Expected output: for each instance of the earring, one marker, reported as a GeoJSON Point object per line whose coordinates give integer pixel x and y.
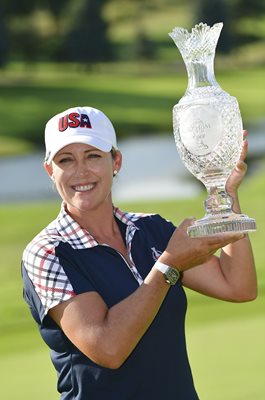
{"type": "Point", "coordinates": [115, 172]}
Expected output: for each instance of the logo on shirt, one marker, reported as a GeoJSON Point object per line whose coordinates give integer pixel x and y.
{"type": "Point", "coordinates": [74, 120]}
{"type": "Point", "coordinates": [156, 253]}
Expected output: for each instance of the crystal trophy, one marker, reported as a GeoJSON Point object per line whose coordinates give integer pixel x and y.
{"type": "Point", "coordinates": [208, 131]}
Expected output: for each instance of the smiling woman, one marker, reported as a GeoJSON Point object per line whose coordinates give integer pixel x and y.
{"type": "Point", "coordinates": [106, 287]}
{"type": "Point", "coordinates": [83, 177]}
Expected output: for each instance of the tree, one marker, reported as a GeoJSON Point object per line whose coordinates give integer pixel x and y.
{"type": "Point", "coordinates": [253, 8]}
{"type": "Point", "coordinates": [22, 39]}
{"type": "Point", "coordinates": [231, 13]}
{"type": "Point", "coordinates": [214, 11]}
{"type": "Point", "coordinates": [3, 40]}
{"type": "Point", "coordinates": [87, 39]}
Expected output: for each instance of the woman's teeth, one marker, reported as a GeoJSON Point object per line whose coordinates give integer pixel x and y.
{"type": "Point", "coordinates": [83, 188]}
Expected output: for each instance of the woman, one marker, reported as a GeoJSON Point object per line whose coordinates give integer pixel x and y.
{"type": "Point", "coordinates": [106, 287]}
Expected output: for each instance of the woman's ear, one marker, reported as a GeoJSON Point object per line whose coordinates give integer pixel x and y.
{"type": "Point", "coordinates": [117, 163]}
{"type": "Point", "coordinates": [49, 170]}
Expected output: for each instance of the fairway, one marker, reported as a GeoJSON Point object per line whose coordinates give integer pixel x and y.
{"type": "Point", "coordinates": [227, 359]}
{"type": "Point", "coordinates": [138, 99]}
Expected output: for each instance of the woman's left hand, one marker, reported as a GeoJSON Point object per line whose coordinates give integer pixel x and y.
{"type": "Point", "coordinates": [240, 169]}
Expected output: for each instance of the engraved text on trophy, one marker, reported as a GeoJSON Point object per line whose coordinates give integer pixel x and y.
{"type": "Point", "coordinates": [200, 129]}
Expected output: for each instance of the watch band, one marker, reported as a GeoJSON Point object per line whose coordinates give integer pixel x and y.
{"type": "Point", "coordinates": [171, 275]}
{"type": "Point", "coordinates": [161, 266]}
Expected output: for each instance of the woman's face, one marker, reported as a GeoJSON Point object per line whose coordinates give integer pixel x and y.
{"type": "Point", "coordinates": [83, 176]}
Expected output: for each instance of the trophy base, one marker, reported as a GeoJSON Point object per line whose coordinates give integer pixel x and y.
{"type": "Point", "coordinates": [229, 222]}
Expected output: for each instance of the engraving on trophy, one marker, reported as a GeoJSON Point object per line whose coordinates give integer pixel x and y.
{"type": "Point", "coordinates": [200, 129]}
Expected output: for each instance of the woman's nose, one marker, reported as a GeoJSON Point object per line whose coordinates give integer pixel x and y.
{"type": "Point", "coordinates": [82, 168]}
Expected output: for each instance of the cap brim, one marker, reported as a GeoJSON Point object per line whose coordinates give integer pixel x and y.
{"type": "Point", "coordinates": [91, 140]}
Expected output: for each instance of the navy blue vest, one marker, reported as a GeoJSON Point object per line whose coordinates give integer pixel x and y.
{"type": "Point", "coordinates": [158, 368]}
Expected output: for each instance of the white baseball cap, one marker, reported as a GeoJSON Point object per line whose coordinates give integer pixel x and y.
{"type": "Point", "coordinates": [79, 125]}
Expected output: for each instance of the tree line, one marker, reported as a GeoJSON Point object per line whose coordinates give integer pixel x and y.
{"type": "Point", "coordinates": [77, 31]}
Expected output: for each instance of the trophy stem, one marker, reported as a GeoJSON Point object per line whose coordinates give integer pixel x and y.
{"type": "Point", "coordinates": [218, 201]}
{"type": "Point", "coordinates": [220, 217]}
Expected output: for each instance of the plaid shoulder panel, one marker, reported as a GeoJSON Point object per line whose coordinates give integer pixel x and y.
{"type": "Point", "coordinates": [48, 277]}
{"type": "Point", "coordinates": [128, 217]}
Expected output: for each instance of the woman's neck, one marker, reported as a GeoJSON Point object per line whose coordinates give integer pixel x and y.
{"type": "Point", "coordinates": [99, 223]}
{"type": "Point", "coordinates": [104, 229]}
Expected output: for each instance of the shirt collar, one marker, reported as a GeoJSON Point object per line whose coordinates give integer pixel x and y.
{"type": "Point", "coordinates": [78, 237]}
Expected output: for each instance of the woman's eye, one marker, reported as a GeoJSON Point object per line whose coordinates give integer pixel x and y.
{"type": "Point", "coordinates": [65, 160]}
{"type": "Point", "coordinates": [94, 155]}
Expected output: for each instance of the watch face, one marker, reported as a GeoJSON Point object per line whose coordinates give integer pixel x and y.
{"type": "Point", "coordinates": [172, 275]}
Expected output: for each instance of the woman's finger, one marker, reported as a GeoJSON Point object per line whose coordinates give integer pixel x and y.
{"type": "Point", "coordinates": [245, 133]}
{"type": "Point", "coordinates": [244, 150]}
{"type": "Point", "coordinates": [186, 223]}
{"type": "Point", "coordinates": [221, 240]}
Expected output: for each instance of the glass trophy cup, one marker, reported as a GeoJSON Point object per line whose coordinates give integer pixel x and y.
{"type": "Point", "coordinates": [208, 131]}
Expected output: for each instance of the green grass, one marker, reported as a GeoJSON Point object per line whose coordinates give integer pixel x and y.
{"type": "Point", "coordinates": [225, 340]}
{"type": "Point", "coordinates": [228, 358]}
{"type": "Point", "coordinates": [137, 97]}
{"type": "Point", "coordinates": [14, 146]}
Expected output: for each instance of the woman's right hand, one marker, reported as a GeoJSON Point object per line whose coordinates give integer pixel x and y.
{"type": "Point", "coordinates": [184, 252]}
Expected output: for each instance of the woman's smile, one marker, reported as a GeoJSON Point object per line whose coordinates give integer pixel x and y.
{"type": "Point", "coordinates": [84, 188]}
